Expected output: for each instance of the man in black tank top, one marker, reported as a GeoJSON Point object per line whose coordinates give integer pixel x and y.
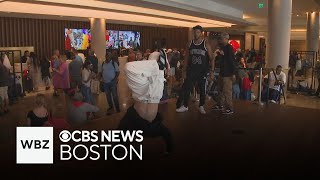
{"type": "Point", "coordinates": [198, 59]}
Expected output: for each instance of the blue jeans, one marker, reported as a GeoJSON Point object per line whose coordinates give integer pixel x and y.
{"type": "Point", "coordinates": [235, 91]}
{"type": "Point", "coordinates": [111, 90]}
{"type": "Point", "coordinates": [247, 95]}
{"type": "Point", "coordinates": [86, 93]}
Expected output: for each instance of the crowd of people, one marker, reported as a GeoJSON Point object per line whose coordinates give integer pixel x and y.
{"type": "Point", "coordinates": [147, 74]}
{"type": "Point", "coordinates": [73, 72]}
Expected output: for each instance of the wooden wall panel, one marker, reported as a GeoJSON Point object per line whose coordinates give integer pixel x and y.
{"type": "Point", "coordinates": [47, 35]}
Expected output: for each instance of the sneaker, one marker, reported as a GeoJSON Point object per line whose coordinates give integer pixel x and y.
{"type": "Point", "coordinates": [201, 109]}
{"type": "Point", "coordinates": [218, 108]}
{"type": "Point", "coordinates": [227, 112]}
{"type": "Point", "coordinates": [182, 109]}
{"type": "Point", "coordinates": [273, 101]}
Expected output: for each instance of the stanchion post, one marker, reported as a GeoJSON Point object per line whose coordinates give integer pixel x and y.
{"type": "Point", "coordinates": [268, 91]}
{"type": "Point", "coordinates": [260, 85]}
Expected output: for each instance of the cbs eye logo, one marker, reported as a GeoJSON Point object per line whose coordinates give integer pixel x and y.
{"type": "Point", "coordinates": [65, 136]}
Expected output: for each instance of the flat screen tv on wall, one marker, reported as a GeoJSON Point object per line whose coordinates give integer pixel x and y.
{"type": "Point", "coordinates": [77, 38]}
{"type": "Point", "coordinates": [112, 39]}
{"type": "Point", "coordinates": [129, 39]}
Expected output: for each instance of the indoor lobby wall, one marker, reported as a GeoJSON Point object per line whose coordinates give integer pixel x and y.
{"type": "Point", "coordinates": [248, 41]}
{"type": "Point", "coordinates": [46, 35]}
{"type": "Point", "coordinates": [298, 45]}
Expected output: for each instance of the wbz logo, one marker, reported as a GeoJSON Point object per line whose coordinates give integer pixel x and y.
{"type": "Point", "coordinates": [34, 145]}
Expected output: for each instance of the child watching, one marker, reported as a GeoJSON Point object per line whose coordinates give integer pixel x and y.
{"type": "Point", "coordinates": [246, 87]}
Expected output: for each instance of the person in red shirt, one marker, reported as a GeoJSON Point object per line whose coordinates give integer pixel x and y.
{"type": "Point", "coordinates": [246, 87]}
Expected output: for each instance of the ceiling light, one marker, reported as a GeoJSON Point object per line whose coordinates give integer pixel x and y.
{"type": "Point", "coordinates": [135, 9]}
{"type": "Point", "coordinates": [42, 9]}
{"type": "Point", "coordinates": [298, 30]}
{"type": "Point", "coordinates": [298, 15]}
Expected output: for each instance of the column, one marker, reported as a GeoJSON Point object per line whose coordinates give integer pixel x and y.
{"type": "Point", "coordinates": [312, 43]}
{"type": "Point", "coordinates": [279, 26]}
{"type": "Point", "coordinates": [98, 37]}
{"type": "Point", "coordinates": [312, 31]}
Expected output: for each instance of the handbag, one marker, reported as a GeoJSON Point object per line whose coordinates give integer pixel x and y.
{"type": "Point", "coordinates": [95, 86]}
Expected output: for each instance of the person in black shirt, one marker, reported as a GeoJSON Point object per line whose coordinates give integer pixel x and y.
{"type": "Point", "coordinates": [239, 55]}
{"type": "Point", "coordinates": [198, 58]}
{"type": "Point", "coordinates": [39, 115]}
{"type": "Point", "coordinates": [93, 60]}
{"type": "Point", "coordinates": [25, 57]}
{"type": "Point", "coordinates": [227, 76]}
{"type": "Point", "coordinates": [45, 72]}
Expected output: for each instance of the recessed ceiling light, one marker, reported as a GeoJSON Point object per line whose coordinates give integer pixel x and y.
{"type": "Point", "coordinates": [298, 15]}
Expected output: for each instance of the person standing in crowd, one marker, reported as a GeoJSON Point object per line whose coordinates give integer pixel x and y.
{"type": "Point", "coordinates": [131, 55]}
{"type": "Point", "coordinates": [79, 111]}
{"type": "Point", "coordinates": [25, 57]}
{"type": "Point", "coordinates": [252, 58]}
{"type": "Point", "coordinates": [147, 54]}
{"type": "Point", "coordinates": [115, 57]}
{"type": "Point", "coordinates": [239, 55]}
{"type": "Point", "coordinates": [276, 83]}
{"type": "Point", "coordinates": [75, 68]}
{"type": "Point", "coordinates": [40, 114]}
{"type": "Point", "coordinates": [139, 56]}
{"type": "Point", "coordinates": [83, 57]}
{"type": "Point", "coordinates": [110, 73]}
{"type": "Point", "coordinates": [163, 63]}
{"type": "Point", "coordinates": [34, 69]}
{"type": "Point", "coordinates": [93, 60]}
{"type": "Point", "coordinates": [55, 64]}
{"type": "Point", "coordinates": [293, 58]}
{"type": "Point", "coordinates": [196, 64]}
{"type": "Point", "coordinates": [246, 87]}
{"type": "Point", "coordinates": [77, 56]}
{"type": "Point", "coordinates": [227, 76]}
{"type": "Point", "coordinates": [61, 77]}
{"type": "Point", "coordinates": [241, 73]}
{"type": "Point", "coordinates": [154, 55]}
{"type": "Point", "coordinates": [236, 89]}
{"type": "Point", "coordinates": [4, 77]}
{"type": "Point", "coordinates": [174, 63]}
{"type": "Point", "coordinates": [143, 114]}
{"type": "Point", "coordinates": [87, 76]}
{"type": "Point", "coordinates": [45, 72]}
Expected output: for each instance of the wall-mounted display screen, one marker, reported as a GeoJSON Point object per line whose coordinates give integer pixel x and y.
{"type": "Point", "coordinates": [129, 39]}
{"type": "Point", "coordinates": [112, 39]}
{"type": "Point", "coordinates": [80, 39]}
{"type": "Point", "coordinates": [77, 38]}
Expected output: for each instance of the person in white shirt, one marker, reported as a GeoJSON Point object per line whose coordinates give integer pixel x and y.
{"type": "Point", "coordinates": [87, 76]}
{"type": "Point", "coordinates": [82, 57]}
{"type": "Point", "coordinates": [276, 82]}
{"type": "Point", "coordinates": [6, 62]}
{"type": "Point", "coordinates": [146, 81]}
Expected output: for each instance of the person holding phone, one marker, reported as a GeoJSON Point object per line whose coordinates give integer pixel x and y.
{"type": "Point", "coordinates": [226, 76]}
